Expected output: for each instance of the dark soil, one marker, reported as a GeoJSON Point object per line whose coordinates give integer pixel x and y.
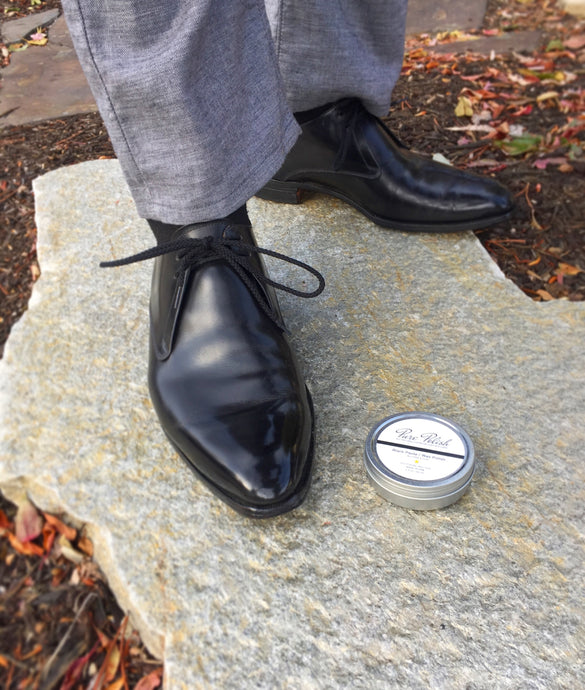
{"type": "Point", "coordinates": [25, 153]}
{"type": "Point", "coordinates": [60, 626]}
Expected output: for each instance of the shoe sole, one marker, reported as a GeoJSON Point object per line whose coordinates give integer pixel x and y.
{"type": "Point", "coordinates": [295, 193]}
{"type": "Point", "coordinates": [267, 511]}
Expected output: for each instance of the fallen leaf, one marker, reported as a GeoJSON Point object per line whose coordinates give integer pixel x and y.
{"type": "Point", "coordinates": [472, 128]}
{"type": "Point", "coordinates": [27, 549]}
{"type": "Point", "coordinates": [105, 641]}
{"type": "Point", "coordinates": [463, 107]}
{"type": "Point", "coordinates": [575, 42]}
{"type": "Point", "coordinates": [518, 146]}
{"type": "Point", "coordinates": [567, 269]}
{"type": "Point", "coordinates": [28, 524]}
{"type": "Point", "coordinates": [116, 685]}
{"type": "Point", "coordinates": [68, 532]}
{"type": "Point", "coordinates": [149, 682]}
{"type": "Point", "coordinates": [555, 44]}
{"type": "Point", "coordinates": [546, 296]}
{"type": "Point", "coordinates": [113, 662]}
{"type": "Point", "coordinates": [440, 158]}
{"type": "Point", "coordinates": [542, 163]}
{"type": "Point", "coordinates": [17, 47]}
{"type": "Point", "coordinates": [37, 39]}
{"type": "Point", "coordinates": [547, 96]}
{"type": "Point", "coordinates": [49, 534]}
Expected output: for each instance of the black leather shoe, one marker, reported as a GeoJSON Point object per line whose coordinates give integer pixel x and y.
{"type": "Point", "coordinates": [350, 154]}
{"type": "Point", "coordinates": [223, 378]}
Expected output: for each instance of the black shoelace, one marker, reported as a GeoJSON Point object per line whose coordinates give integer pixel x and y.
{"type": "Point", "coordinates": [193, 252]}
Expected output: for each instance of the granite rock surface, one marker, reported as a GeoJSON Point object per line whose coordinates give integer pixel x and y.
{"type": "Point", "coordinates": [348, 590]}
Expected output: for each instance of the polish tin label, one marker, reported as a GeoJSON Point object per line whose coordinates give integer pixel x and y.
{"type": "Point", "coordinates": [419, 460]}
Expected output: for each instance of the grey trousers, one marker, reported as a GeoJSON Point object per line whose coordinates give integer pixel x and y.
{"type": "Point", "coordinates": [198, 95]}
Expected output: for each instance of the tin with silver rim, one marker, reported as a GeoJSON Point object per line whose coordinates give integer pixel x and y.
{"type": "Point", "coordinates": [419, 460]}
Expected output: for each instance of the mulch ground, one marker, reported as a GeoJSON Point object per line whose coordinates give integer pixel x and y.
{"type": "Point", "coordinates": [60, 626]}
{"type": "Point", "coordinates": [518, 117]}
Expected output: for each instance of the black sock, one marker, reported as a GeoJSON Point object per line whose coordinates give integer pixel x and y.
{"type": "Point", "coordinates": [303, 116]}
{"type": "Point", "coordinates": [164, 231]}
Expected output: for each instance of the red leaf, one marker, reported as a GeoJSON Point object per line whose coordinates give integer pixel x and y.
{"type": "Point", "coordinates": [28, 549]}
{"type": "Point", "coordinates": [151, 681]}
{"type": "Point", "coordinates": [28, 524]}
{"type": "Point", "coordinates": [575, 42]}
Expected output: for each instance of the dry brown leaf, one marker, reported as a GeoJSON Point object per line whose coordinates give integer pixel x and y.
{"type": "Point", "coordinates": [27, 549]}
{"type": "Point", "coordinates": [546, 296]}
{"type": "Point", "coordinates": [567, 269]}
{"type": "Point", "coordinates": [113, 661]}
{"type": "Point", "coordinates": [68, 532]}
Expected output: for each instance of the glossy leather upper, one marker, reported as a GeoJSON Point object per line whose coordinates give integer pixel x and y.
{"type": "Point", "coordinates": [225, 382]}
{"type": "Point", "coordinates": [351, 154]}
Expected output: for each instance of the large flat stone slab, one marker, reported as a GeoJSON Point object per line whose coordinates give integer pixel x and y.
{"type": "Point", "coordinates": [517, 41]}
{"type": "Point", "coordinates": [444, 15]}
{"type": "Point", "coordinates": [348, 590]}
{"type": "Point", "coordinates": [45, 82]}
{"type": "Point", "coordinates": [15, 29]}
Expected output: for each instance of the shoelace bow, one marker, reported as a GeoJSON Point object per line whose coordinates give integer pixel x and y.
{"type": "Point", "coordinates": [193, 252]}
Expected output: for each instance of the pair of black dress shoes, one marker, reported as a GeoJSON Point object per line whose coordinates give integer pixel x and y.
{"type": "Point", "coordinates": [223, 378]}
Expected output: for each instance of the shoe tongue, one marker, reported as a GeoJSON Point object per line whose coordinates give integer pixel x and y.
{"type": "Point", "coordinates": [218, 229]}
{"type": "Point", "coordinates": [199, 231]}
{"type": "Point", "coordinates": [212, 228]}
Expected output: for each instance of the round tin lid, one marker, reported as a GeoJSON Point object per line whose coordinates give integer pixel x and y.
{"type": "Point", "coordinates": [419, 460]}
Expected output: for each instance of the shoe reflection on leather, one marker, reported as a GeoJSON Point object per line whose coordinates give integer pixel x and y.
{"type": "Point", "coordinates": [347, 152]}
{"type": "Point", "coordinates": [223, 378]}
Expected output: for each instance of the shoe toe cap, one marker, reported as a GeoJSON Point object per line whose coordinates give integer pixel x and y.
{"type": "Point", "coordinates": [257, 459]}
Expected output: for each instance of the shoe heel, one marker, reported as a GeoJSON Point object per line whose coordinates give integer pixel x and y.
{"type": "Point", "coordinates": [282, 192]}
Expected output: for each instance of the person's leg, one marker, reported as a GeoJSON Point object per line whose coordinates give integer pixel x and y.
{"type": "Point", "coordinates": [333, 49]}
{"type": "Point", "coordinates": [192, 97]}
{"type": "Point", "coordinates": [340, 60]}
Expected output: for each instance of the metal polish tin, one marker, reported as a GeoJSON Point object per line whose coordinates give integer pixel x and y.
{"type": "Point", "coordinates": [419, 460]}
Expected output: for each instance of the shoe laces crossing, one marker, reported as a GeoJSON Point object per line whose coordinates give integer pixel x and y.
{"type": "Point", "coordinates": [194, 252]}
